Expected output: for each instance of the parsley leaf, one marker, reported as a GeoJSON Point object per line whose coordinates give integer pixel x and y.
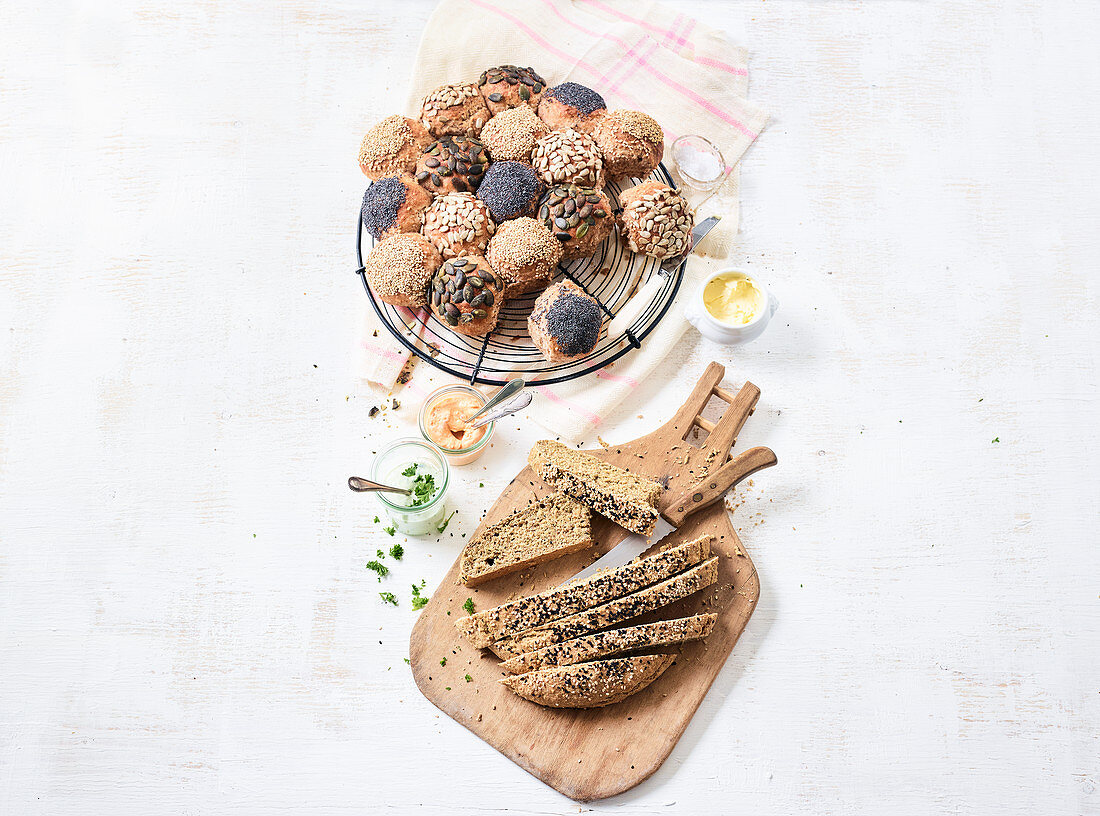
{"type": "Point", "coordinates": [447, 521]}
{"type": "Point", "coordinates": [443, 662]}
{"type": "Point", "coordinates": [410, 470]}
{"type": "Point", "coordinates": [390, 530]}
{"type": "Point", "coordinates": [419, 601]}
{"type": "Point", "coordinates": [388, 597]}
{"type": "Point", "coordinates": [396, 551]}
{"type": "Point", "coordinates": [469, 679]}
{"type": "Point", "coordinates": [379, 568]}
{"type": "Point", "coordinates": [469, 606]}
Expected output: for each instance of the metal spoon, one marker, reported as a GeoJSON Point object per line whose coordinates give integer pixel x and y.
{"type": "Point", "coordinates": [518, 404]}
{"type": "Point", "coordinates": [360, 485]}
{"type": "Point", "coordinates": [509, 389]}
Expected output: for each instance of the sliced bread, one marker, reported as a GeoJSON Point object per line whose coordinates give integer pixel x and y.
{"type": "Point", "coordinates": [614, 641]}
{"type": "Point", "coordinates": [484, 627]}
{"type": "Point", "coordinates": [610, 613]}
{"type": "Point", "coordinates": [589, 685]}
{"type": "Point", "coordinates": [551, 527]}
{"type": "Point", "coordinates": [626, 498]}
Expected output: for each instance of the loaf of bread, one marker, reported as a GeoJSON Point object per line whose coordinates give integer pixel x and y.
{"type": "Point", "coordinates": [549, 528]}
{"type": "Point", "coordinates": [610, 613]}
{"type": "Point", "coordinates": [626, 498]}
{"type": "Point", "coordinates": [614, 641]}
{"type": "Point", "coordinates": [482, 628]}
{"type": "Point", "coordinates": [589, 685]}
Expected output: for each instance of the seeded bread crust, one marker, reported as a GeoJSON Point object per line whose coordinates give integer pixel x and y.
{"type": "Point", "coordinates": [589, 685]}
{"type": "Point", "coordinates": [615, 641]}
{"type": "Point", "coordinates": [616, 611]}
{"type": "Point", "coordinates": [626, 498]}
{"type": "Point", "coordinates": [482, 628]}
{"type": "Point", "coordinates": [549, 528]}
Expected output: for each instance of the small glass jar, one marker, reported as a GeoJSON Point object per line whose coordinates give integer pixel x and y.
{"type": "Point", "coordinates": [463, 454]}
{"type": "Point", "coordinates": [390, 467]}
{"type": "Point", "coordinates": [699, 163]}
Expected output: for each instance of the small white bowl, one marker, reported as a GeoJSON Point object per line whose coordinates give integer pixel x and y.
{"type": "Point", "coordinates": [713, 329]}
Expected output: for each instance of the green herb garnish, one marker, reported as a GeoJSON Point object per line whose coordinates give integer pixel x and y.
{"type": "Point", "coordinates": [447, 521]}
{"type": "Point", "coordinates": [396, 551]}
{"type": "Point", "coordinates": [443, 662]}
{"type": "Point", "coordinates": [410, 470]}
{"type": "Point", "coordinates": [376, 519]}
{"type": "Point", "coordinates": [380, 553]}
{"type": "Point", "coordinates": [469, 606]}
{"type": "Point", "coordinates": [419, 601]}
{"type": "Point", "coordinates": [390, 530]}
{"type": "Point", "coordinates": [388, 597]}
{"type": "Point", "coordinates": [379, 568]}
{"type": "Point", "coordinates": [469, 679]}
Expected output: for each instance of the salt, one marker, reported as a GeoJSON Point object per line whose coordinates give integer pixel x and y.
{"type": "Point", "coordinates": [699, 165]}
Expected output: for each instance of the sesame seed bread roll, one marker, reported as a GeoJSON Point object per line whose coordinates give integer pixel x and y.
{"type": "Point", "coordinates": [399, 269]}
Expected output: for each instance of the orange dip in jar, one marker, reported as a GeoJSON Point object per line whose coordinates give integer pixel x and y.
{"type": "Point", "coordinates": [443, 423]}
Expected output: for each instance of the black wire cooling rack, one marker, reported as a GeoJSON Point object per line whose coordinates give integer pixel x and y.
{"type": "Point", "coordinates": [610, 276]}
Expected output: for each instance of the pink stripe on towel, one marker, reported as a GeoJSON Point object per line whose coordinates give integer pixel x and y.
{"type": "Point", "coordinates": [595, 419]}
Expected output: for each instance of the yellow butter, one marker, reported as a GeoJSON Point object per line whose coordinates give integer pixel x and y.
{"type": "Point", "coordinates": [733, 298]}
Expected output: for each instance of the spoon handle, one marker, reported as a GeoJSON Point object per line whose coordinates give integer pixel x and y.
{"type": "Point", "coordinates": [361, 485]}
{"type": "Point", "coordinates": [509, 389]}
{"type": "Point", "coordinates": [518, 404]}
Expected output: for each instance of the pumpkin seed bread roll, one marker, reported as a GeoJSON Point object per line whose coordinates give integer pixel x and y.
{"type": "Point", "coordinates": [509, 86]}
{"type": "Point", "coordinates": [627, 499]}
{"type": "Point", "coordinates": [467, 295]}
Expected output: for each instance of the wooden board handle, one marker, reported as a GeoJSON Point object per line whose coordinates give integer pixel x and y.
{"type": "Point", "coordinates": [709, 490]}
{"type": "Point", "coordinates": [724, 433]}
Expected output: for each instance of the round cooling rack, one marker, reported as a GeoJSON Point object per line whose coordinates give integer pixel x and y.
{"type": "Point", "coordinates": [611, 276]}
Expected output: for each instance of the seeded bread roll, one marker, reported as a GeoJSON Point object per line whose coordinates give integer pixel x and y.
{"type": "Point", "coordinates": [627, 499]}
{"type": "Point", "coordinates": [511, 136]}
{"type": "Point", "coordinates": [509, 86]}
{"type": "Point", "coordinates": [616, 611]}
{"type": "Point", "coordinates": [458, 224]}
{"type": "Point", "coordinates": [589, 685]}
{"type": "Point", "coordinates": [511, 189]}
{"type": "Point", "coordinates": [453, 164]}
{"type": "Point", "coordinates": [524, 254]}
{"type": "Point", "coordinates": [467, 295]}
{"type": "Point", "coordinates": [614, 641]}
{"type": "Point", "coordinates": [399, 269]}
{"type": "Point", "coordinates": [551, 527]}
{"type": "Point", "coordinates": [482, 628]}
{"type": "Point", "coordinates": [571, 105]}
{"type": "Point", "coordinates": [580, 217]}
{"type": "Point", "coordinates": [565, 322]}
{"type": "Point", "coordinates": [392, 146]}
{"type": "Point", "coordinates": [656, 220]}
{"type": "Point", "coordinates": [454, 110]}
{"type": "Point", "coordinates": [631, 142]}
{"type": "Point", "coordinates": [568, 156]}
{"type": "Point", "coordinates": [394, 204]}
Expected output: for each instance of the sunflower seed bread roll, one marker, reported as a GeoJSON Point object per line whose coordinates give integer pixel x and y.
{"type": "Point", "coordinates": [613, 641]}
{"type": "Point", "coordinates": [482, 628]}
{"type": "Point", "coordinates": [627, 499]}
{"type": "Point", "coordinates": [589, 685]}
{"type": "Point", "coordinates": [610, 613]}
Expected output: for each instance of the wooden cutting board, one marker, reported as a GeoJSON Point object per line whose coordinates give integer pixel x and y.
{"type": "Point", "coordinates": [596, 753]}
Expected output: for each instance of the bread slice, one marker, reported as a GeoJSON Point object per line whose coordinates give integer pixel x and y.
{"type": "Point", "coordinates": [589, 685]}
{"type": "Point", "coordinates": [610, 613]}
{"type": "Point", "coordinates": [614, 641]}
{"type": "Point", "coordinates": [551, 527]}
{"type": "Point", "coordinates": [484, 627]}
{"type": "Point", "coordinates": [626, 498]}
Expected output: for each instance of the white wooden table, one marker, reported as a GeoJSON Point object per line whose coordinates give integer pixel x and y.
{"type": "Point", "coordinates": [186, 624]}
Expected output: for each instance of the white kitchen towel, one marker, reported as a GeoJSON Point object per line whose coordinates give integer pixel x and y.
{"type": "Point", "coordinates": [638, 55]}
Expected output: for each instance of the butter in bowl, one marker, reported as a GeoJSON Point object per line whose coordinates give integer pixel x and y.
{"type": "Point", "coordinates": [730, 307]}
